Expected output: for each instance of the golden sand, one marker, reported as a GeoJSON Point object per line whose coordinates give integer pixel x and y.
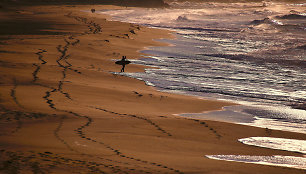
{"type": "Point", "coordinates": [64, 111]}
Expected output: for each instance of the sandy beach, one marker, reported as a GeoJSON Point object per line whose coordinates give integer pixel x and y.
{"type": "Point", "coordinates": [64, 110]}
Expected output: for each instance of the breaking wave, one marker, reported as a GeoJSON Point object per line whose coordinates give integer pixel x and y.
{"type": "Point", "coordinates": [292, 16]}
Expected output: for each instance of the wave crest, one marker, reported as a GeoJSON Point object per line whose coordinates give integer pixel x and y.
{"type": "Point", "coordinates": [266, 21]}
{"type": "Point", "coordinates": [292, 16]}
{"type": "Point", "coordinates": [182, 18]}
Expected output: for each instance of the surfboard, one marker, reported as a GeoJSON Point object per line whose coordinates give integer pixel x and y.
{"type": "Point", "coordinates": [123, 62]}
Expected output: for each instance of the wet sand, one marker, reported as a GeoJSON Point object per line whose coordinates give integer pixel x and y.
{"type": "Point", "coordinates": [64, 111]}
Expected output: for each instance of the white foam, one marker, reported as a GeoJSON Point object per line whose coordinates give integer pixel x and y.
{"type": "Point", "coordinates": [283, 161]}
{"type": "Point", "coordinates": [292, 145]}
{"type": "Point", "coordinates": [276, 22]}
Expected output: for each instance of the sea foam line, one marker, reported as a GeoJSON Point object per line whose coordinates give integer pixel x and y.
{"type": "Point", "coordinates": [291, 145]}
{"type": "Point", "coordinates": [283, 161]}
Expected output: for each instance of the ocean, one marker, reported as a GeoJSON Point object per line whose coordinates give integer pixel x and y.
{"type": "Point", "coordinates": [248, 53]}
{"type": "Point", "coordinates": [252, 54]}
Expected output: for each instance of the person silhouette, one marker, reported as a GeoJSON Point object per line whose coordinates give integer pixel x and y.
{"type": "Point", "coordinates": [123, 63]}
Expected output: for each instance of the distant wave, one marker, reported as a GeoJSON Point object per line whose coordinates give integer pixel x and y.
{"type": "Point", "coordinates": [275, 21]}
{"type": "Point", "coordinates": [266, 21]}
{"type": "Point", "coordinates": [303, 47]}
{"type": "Point", "coordinates": [182, 19]}
{"type": "Point", "coordinates": [205, 29]}
{"type": "Point", "coordinates": [292, 16]}
{"type": "Point", "coordinates": [286, 62]}
{"type": "Point", "coordinates": [281, 22]}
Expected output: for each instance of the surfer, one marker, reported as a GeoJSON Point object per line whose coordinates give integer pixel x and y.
{"type": "Point", "coordinates": [123, 62]}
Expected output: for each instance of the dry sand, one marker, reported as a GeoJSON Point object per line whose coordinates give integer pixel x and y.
{"type": "Point", "coordinates": [63, 111]}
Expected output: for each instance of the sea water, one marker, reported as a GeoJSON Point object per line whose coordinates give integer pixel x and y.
{"type": "Point", "coordinates": [248, 53]}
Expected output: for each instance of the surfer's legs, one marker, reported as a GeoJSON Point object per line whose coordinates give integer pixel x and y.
{"type": "Point", "coordinates": [122, 69]}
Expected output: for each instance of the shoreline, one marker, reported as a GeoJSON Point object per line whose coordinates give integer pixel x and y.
{"type": "Point", "coordinates": [94, 121]}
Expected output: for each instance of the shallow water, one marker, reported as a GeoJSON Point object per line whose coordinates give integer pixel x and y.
{"type": "Point", "coordinates": [284, 161]}
{"type": "Point", "coordinates": [243, 52]}
{"type": "Point", "coordinates": [272, 117]}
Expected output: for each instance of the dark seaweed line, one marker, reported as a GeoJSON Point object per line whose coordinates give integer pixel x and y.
{"type": "Point", "coordinates": [117, 168]}
{"type": "Point", "coordinates": [16, 117]}
{"type": "Point", "coordinates": [35, 77]}
{"type": "Point", "coordinates": [55, 158]}
{"type": "Point", "coordinates": [23, 159]}
{"type": "Point", "coordinates": [10, 115]}
{"type": "Point", "coordinates": [53, 90]}
{"type": "Point", "coordinates": [13, 94]}
{"type": "Point", "coordinates": [81, 133]}
{"type": "Point", "coordinates": [60, 87]}
{"type": "Point", "coordinates": [207, 126]}
{"type": "Point", "coordinates": [51, 105]}
{"type": "Point", "coordinates": [63, 50]}
{"type": "Point", "coordinates": [48, 93]}
{"type": "Point", "coordinates": [36, 71]}
{"type": "Point", "coordinates": [19, 123]}
{"type": "Point", "coordinates": [119, 162]}
{"type": "Point", "coordinates": [2, 116]}
{"type": "Point", "coordinates": [48, 101]}
{"type": "Point", "coordinates": [63, 57]}
{"type": "Point", "coordinates": [137, 117]}
{"type": "Point", "coordinates": [93, 27]}
{"type": "Point", "coordinates": [131, 169]}
{"type": "Point", "coordinates": [73, 43]}
{"type": "Point", "coordinates": [93, 166]}
{"type": "Point", "coordinates": [56, 134]}
{"type": "Point", "coordinates": [40, 57]}
{"type": "Point", "coordinates": [79, 130]}
{"type": "Point", "coordinates": [38, 66]}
